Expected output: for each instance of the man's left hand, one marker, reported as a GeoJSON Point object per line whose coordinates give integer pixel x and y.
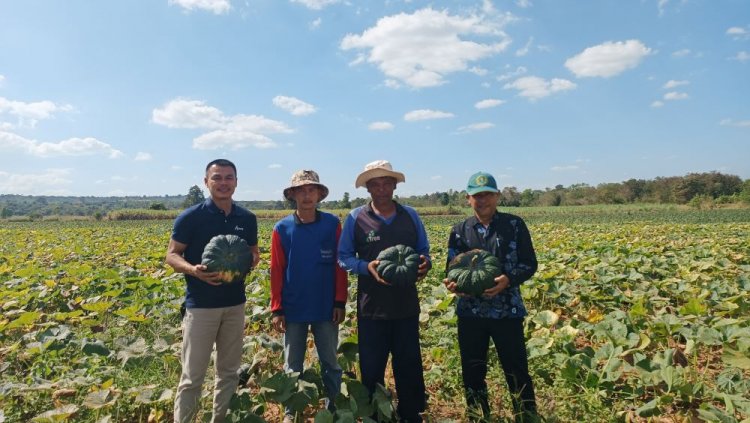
{"type": "Point", "coordinates": [338, 315]}
{"type": "Point", "coordinates": [501, 282]}
{"type": "Point", "coordinates": [424, 267]}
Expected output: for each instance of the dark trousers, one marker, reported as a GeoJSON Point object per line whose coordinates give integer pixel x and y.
{"type": "Point", "coordinates": [400, 339]}
{"type": "Point", "coordinates": [507, 334]}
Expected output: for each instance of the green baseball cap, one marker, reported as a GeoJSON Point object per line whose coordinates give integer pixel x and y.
{"type": "Point", "coordinates": [481, 182]}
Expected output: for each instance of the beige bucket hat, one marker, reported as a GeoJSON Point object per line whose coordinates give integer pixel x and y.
{"type": "Point", "coordinates": [377, 169]}
{"type": "Point", "coordinates": [305, 177]}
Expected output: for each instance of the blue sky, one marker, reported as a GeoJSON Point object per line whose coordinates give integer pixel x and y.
{"type": "Point", "coordinates": [135, 97]}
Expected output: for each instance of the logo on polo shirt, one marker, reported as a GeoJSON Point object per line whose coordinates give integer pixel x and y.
{"type": "Point", "coordinates": [237, 228]}
{"type": "Point", "coordinates": [372, 237]}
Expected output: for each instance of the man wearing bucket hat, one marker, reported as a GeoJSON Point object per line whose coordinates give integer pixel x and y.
{"type": "Point", "coordinates": [499, 312]}
{"type": "Point", "coordinates": [308, 289]}
{"type": "Point", "coordinates": [387, 316]}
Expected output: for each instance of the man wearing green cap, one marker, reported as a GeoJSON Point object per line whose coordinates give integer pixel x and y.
{"type": "Point", "coordinates": [498, 313]}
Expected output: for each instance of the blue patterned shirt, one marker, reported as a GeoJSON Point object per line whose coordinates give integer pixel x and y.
{"type": "Point", "coordinates": [508, 239]}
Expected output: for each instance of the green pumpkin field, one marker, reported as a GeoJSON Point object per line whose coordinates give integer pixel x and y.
{"type": "Point", "coordinates": [634, 315]}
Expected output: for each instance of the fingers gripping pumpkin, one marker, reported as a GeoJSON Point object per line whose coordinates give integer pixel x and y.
{"type": "Point", "coordinates": [229, 255]}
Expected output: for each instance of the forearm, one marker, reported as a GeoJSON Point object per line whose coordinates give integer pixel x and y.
{"type": "Point", "coordinates": [179, 264]}
{"type": "Point", "coordinates": [347, 257]}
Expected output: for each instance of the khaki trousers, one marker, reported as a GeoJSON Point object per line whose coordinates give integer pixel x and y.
{"type": "Point", "coordinates": [202, 329]}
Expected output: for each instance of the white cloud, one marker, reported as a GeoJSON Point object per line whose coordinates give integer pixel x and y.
{"type": "Point", "coordinates": [480, 126]}
{"type": "Point", "coordinates": [392, 83]}
{"type": "Point", "coordinates": [190, 114]}
{"type": "Point", "coordinates": [608, 59]}
{"type": "Point", "coordinates": [76, 147]}
{"type": "Point", "coordinates": [70, 147]}
{"type": "Point", "coordinates": [512, 74]}
{"type": "Point", "coordinates": [293, 105]}
{"type": "Point", "coordinates": [316, 23]}
{"type": "Point", "coordinates": [143, 157]}
{"type": "Point", "coordinates": [215, 6]}
{"type": "Point", "coordinates": [29, 114]}
{"type": "Point", "coordinates": [523, 51]}
{"type": "Point", "coordinates": [488, 103]}
{"type": "Point", "coordinates": [2, 80]}
{"type": "Point", "coordinates": [742, 56]}
{"type": "Point", "coordinates": [274, 166]}
{"type": "Point", "coordinates": [49, 182]}
{"type": "Point", "coordinates": [436, 177]}
{"type": "Point", "coordinates": [233, 140]}
{"type": "Point", "coordinates": [673, 84]}
{"type": "Point", "coordinates": [738, 33]}
{"type": "Point", "coordinates": [681, 53]}
{"type": "Point", "coordinates": [380, 126]}
{"type": "Point", "coordinates": [534, 87]}
{"type": "Point", "coordinates": [564, 168]}
{"type": "Point", "coordinates": [422, 48]}
{"type": "Point", "coordinates": [675, 95]}
{"type": "Point", "coordinates": [315, 4]}
{"type": "Point", "coordinates": [479, 71]}
{"type": "Point", "coordinates": [737, 123]}
{"type": "Point", "coordinates": [426, 114]}
{"type": "Point", "coordinates": [233, 132]}
{"type": "Point", "coordinates": [661, 6]}
{"type": "Point", "coordinates": [657, 103]}
{"type": "Point", "coordinates": [523, 3]}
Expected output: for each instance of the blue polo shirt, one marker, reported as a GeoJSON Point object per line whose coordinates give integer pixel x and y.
{"type": "Point", "coordinates": [195, 227]}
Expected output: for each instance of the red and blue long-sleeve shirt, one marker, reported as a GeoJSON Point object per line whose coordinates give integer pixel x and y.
{"type": "Point", "coordinates": [306, 283]}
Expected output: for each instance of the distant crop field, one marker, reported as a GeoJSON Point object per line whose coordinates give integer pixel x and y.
{"type": "Point", "coordinates": [633, 315]}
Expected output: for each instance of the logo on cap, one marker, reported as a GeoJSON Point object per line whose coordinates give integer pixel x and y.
{"type": "Point", "coordinates": [481, 180]}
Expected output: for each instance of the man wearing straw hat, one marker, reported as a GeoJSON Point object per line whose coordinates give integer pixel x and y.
{"type": "Point", "coordinates": [308, 289]}
{"type": "Point", "coordinates": [387, 316]}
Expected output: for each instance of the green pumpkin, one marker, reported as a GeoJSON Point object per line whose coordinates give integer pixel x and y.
{"type": "Point", "coordinates": [398, 265]}
{"type": "Point", "coordinates": [474, 271]}
{"type": "Point", "coordinates": [229, 255]}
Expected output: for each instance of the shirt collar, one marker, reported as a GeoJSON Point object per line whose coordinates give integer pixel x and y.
{"type": "Point", "coordinates": [210, 205]}
{"type": "Point", "coordinates": [474, 221]}
{"type": "Point", "coordinates": [299, 222]}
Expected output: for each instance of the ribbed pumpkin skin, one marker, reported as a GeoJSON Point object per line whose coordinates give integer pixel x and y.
{"type": "Point", "coordinates": [398, 265]}
{"type": "Point", "coordinates": [229, 255]}
{"type": "Point", "coordinates": [474, 271]}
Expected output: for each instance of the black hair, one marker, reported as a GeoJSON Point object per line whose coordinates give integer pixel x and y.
{"type": "Point", "coordinates": [222, 163]}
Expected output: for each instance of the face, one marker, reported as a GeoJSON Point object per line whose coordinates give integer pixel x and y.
{"type": "Point", "coordinates": [221, 182]}
{"type": "Point", "coordinates": [484, 204]}
{"type": "Point", "coordinates": [306, 197]}
{"type": "Point", "coordinates": [382, 188]}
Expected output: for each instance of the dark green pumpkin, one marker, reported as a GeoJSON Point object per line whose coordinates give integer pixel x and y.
{"type": "Point", "coordinates": [398, 265]}
{"type": "Point", "coordinates": [229, 255]}
{"type": "Point", "coordinates": [474, 271]}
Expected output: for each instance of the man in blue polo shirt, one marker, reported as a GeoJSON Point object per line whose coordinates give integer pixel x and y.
{"type": "Point", "coordinates": [387, 316]}
{"type": "Point", "coordinates": [214, 311]}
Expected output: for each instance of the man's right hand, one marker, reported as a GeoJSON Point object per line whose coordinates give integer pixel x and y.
{"type": "Point", "coordinates": [211, 278]}
{"type": "Point", "coordinates": [451, 285]}
{"type": "Point", "coordinates": [279, 323]}
{"type": "Point", "coordinates": [372, 267]}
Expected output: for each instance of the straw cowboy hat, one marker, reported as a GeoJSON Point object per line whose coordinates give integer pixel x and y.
{"type": "Point", "coordinates": [305, 177]}
{"type": "Point", "coordinates": [377, 169]}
